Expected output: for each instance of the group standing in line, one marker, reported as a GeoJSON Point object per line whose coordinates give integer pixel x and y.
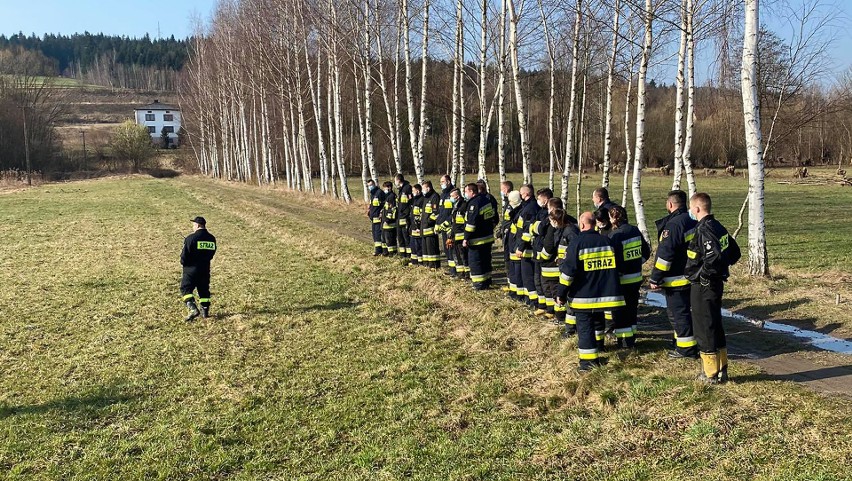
{"type": "Point", "coordinates": [584, 274]}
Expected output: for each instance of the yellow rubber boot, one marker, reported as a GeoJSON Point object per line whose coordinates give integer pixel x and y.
{"type": "Point", "coordinates": [709, 367]}
{"type": "Point", "coordinates": [723, 365]}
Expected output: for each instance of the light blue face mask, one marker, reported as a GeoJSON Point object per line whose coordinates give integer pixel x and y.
{"type": "Point", "coordinates": [692, 216]}
{"type": "Point", "coordinates": [453, 200]}
{"type": "Point", "coordinates": [372, 188]}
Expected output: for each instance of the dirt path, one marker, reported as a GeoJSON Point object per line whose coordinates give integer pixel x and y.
{"type": "Point", "coordinates": [780, 357]}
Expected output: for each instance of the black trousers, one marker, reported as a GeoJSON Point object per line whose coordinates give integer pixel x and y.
{"type": "Point", "coordinates": [416, 248]}
{"type": "Point", "coordinates": [479, 260]}
{"type": "Point", "coordinates": [516, 285]}
{"type": "Point", "coordinates": [192, 279]}
{"type": "Point", "coordinates": [431, 251]}
{"type": "Point", "coordinates": [460, 255]}
{"type": "Point", "coordinates": [539, 288]}
{"type": "Point", "coordinates": [706, 300]}
{"type": "Point", "coordinates": [528, 280]}
{"type": "Point", "coordinates": [403, 236]}
{"type": "Point", "coordinates": [678, 309]}
{"type": "Point", "coordinates": [390, 240]}
{"type": "Point", "coordinates": [378, 240]}
{"type": "Point", "coordinates": [448, 252]}
{"type": "Point", "coordinates": [550, 285]}
{"type": "Point", "coordinates": [624, 319]}
{"type": "Point", "coordinates": [588, 325]}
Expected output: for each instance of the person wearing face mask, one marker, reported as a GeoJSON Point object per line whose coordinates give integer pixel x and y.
{"type": "Point", "coordinates": [633, 250]}
{"type": "Point", "coordinates": [505, 223]}
{"type": "Point", "coordinates": [456, 241]}
{"type": "Point", "coordinates": [539, 231]}
{"type": "Point", "coordinates": [416, 239]}
{"type": "Point", "coordinates": [513, 262]}
{"type": "Point", "coordinates": [523, 245]}
{"type": "Point", "coordinates": [710, 254]}
{"type": "Point", "coordinates": [431, 249]}
{"type": "Point", "coordinates": [389, 225]}
{"type": "Point", "coordinates": [374, 213]}
{"type": "Point", "coordinates": [675, 232]}
{"type": "Point", "coordinates": [403, 202]}
{"type": "Point", "coordinates": [479, 222]}
{"type": "Point", "coordinates": [443, 224]}
{"type": "Point", "coordinates": [602, 222]}
{"type": "Point", "coordinates": [559, 222]}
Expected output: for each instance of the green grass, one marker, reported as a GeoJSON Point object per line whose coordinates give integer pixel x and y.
{"type": "Point", "coordinates": [318, 367]}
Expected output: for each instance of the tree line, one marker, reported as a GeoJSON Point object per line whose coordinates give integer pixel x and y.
{"type": "Point", "coordinates": [108, 60]}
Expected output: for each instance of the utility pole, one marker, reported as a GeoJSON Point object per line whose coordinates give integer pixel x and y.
{"type": "Point", "coordinates": [27, 148]}
{"type": "Point", "coordinates": [85, 160]}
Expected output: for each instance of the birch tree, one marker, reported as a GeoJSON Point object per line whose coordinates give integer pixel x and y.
{"type": "Point", "coordinates": [638, 203]}
{"type": "Point", "coordinates": [758, 263]}
{"type": "Point", "coordinates": [514, 18]}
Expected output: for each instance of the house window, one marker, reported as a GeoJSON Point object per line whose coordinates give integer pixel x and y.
{"type": "Point", "coordinates": [169, 130]}
{"type": "Point", "coordinates": [168, 117]}
{"type": "Point", "coordinates": [152, 130]}
{"type": "Point", "coordinates": [149, 117]}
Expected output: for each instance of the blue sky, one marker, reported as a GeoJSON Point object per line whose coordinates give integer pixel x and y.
{"type": "Point", "coordinates": [133, 18]}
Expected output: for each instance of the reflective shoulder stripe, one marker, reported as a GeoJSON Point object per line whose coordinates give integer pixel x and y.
{"type": "Point", "coordinates": [596, 252]}
{"type": "Point", "coordinates": [689, 235]}
{"type": "Point", "coordinates": [632, 242]}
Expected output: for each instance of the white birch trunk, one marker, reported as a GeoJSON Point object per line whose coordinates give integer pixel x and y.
{"type": "Point", "coordinates": [519, 96]}
{"type": "Point", "coordinates": [421, 139]}
{"type": "Point", "coordinates": [501, 97]}
{"type": "Point", "coordinates": [409, 92]}
{"type": "Point", "coordinates": [608, 114]}
{"type": "Point", "coordinates": [690, 100]}
{"type": "Point", "coordinates": [572, 101]}
{"type": "Point", "coordinates": [758, 264]}
{"type": "Point", "coordinates": [484, 117]}
{"type": "Point", "coordinates": [551, 136]}
{"type": "Point", "coordinates": [638, 203]}
{"type": "Point", "coordinates": [679, 86]}
{"type": "Point", "coordinates": [392, 114]}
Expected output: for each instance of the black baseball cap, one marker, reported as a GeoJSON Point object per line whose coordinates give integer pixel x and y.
{"type": "Point", "coordinates": [199, 220]}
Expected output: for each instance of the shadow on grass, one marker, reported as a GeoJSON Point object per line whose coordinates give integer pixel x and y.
{"type": "Point", "coordinates": [79, 404]}
{"type": "Point", "coordinates": [764, 312]}
{"type": "Point", "coordinates": [803, 376]}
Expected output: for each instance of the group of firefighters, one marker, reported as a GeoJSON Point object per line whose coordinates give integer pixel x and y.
{"type": "Point", "coordinates": [584, 274]}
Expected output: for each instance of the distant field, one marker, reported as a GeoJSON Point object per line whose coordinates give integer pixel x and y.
{"type": "Point", "coordinates": [325, 363]}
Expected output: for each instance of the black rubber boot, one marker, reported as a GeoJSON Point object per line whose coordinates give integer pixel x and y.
{"type": "Point", "coordinates": [205, 312]}
{"type": "Point", "coordinates": [193, 311]}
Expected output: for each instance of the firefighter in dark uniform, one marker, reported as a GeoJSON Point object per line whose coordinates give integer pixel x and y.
{"type": "Point", "coordinates": [503, 228]}
{"type": "Point", "coordinates": [558, 221]}
{"type": "Point", "coordinates": [429, 219]}
{"type": "Point", "coordinates": [523, 244]}
{"type": "Point", "coordinates": [538, 230]}
{"type": "Point", "coordinates": [374, 213]}
{"type": "Point", "coordinates": [589, 285]}
{"type": "Point", "coordinates": [710, 254]}
{"type": "Point", "coordinates": [389, 213]}
{"type": "Point", "coordinates": [563, 311]}
{"type": "Point", "coordinates": [480, 219]}
{"type": "Point", "coordinates": [416, 239]}
{"type": "Point", "coordinates": [456, 240]}
{"type": "Point", "coordinates": [633, 250]}
{"type": "Point", "coordinates": [600, 198]}
{"type": "Point", "coordinates": [675, 232]}
{"type": "Point", "coordinates": [513, 265]}
{"type": "Point", "coordinates": [198, 250]}
{"type": "Point", "coordinates": [444, 222]}
{"type": "Point", "coordinates": [483, 189]}
{"type": "Point", "coordinates": [403, 205]}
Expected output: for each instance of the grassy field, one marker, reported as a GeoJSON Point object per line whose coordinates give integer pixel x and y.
{"type": "Point", "coordinates": [324, 363]}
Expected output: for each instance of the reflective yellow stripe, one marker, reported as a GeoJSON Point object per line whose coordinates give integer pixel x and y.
{"type": "Point", "coordinates": [624, 333]}
{"type": "Point", "coordinates": [588, 354]}
{"type": "Point", "coordinates": [686, 341]}
{"type": "Point", "coordinates": [596, 302]}
{"type": "Point", "coordinates": [663, 265]}
{"type": "Point", "coordinates": [691, 254]}
{"type": "Point", "coordinates": [630, 278]}
{"type": "Point", "coordinates": [565, 280]}
{"type": "Point", "coordinates": [481, 240]}
{"type": "Point", "coordinates": [204, 300]}
{"type": "Point", "coordinates": [676, 281]}
{"type": "Point", "coordinates": [187, 297]}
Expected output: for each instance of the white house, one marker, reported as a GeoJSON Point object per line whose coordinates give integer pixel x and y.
{"type": "Point", "coordinates": [156, 117]}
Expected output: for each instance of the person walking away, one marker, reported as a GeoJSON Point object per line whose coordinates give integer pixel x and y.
{"type": "Point", "coordinates": [198, 250]}
{"type": "Point", "coordinates": [675, 232]}
{"type": "Point", "coordinates": [710, 254]}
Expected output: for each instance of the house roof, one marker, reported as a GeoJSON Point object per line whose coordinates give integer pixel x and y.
{"type": "Point", "coordinates": [157, 106]}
